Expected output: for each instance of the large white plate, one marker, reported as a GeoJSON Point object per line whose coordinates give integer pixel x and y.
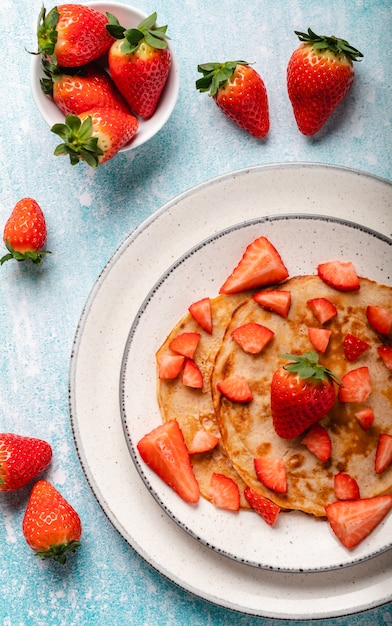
{"type": "Point", "coordinates": [95, 375]}
{"type": "Point", "coordinates": [304, 241]}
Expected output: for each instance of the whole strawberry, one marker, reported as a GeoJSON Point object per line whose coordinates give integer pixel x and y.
{"type": "Point", "coordinates": [239, 92]}
{"type": "Point", "coordinates": [25, 232]}
{"type": "Point", "coordinates": [72, 33]}
{"type": "Point", "coordinates": [51, 526]}
{"type": "Point", "coordinates": [302, 392]}
{"type": "Point", "coordinates": [139, 63]}
{"type": "Point", "coordinates": [320, 73]}
{"type": "Point", "coordinates": [21, 460]}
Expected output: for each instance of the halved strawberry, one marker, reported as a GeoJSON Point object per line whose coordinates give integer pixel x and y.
{"type": "Point", "coordinates": [236, 388]}
{"type": "Point", "coordinates": [203, 441]}
{"type": "Point", "coordinates": [260, 265]}
{"type": "Point", "coordinates": [319, 338]}
{"type": "Point", "coordinates": [353, 520]}
{"type": "Point", "coordinates": [385, 353]}
{"type": "Point", "coordinates": [272, 473]}
{"type": "Point", "coordinates": [202, 314]}
{"type": "Point", "coordinates": [383, 453]}
{"type": "Point", "coordinates": [192, 376]}
{"type": "Point", "coordinates": [224, 492]}
{"type": "Point", "coordinates": [317, 441]}
{"type": "Point", "coordinates": [345, 487]}
{"type": "Point", "coordinates": [170, 365]}
{"type": "Point", "coordinates": [323, 309]}
{"type": "Point", "coordinates": [379, 318]}
{"type": "Point", "coordinates": [340, 275]}
{"type": "Point", "coordinates": [165, 452]}
{"type": "Point", "coordinates": [268, 510]}
{"type": "Point", "coordinates": [185, 344]}
{"type": "Point", "coordinates": [252, 337]}
{"type": "Point", "coordinates": [277, 301]}
{"type": "Point", "coordinates": [355, 386]}
{"type": "Point", "coordinates": [354, 347]}
{"type": "Point", "coordinates": [365, 417]}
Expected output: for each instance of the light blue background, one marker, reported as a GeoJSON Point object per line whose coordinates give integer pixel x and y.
{"type": "Point", "coordinates": [90, 212]}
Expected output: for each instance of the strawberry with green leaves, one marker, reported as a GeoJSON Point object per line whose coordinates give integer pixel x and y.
{"type": "Point", "coordinates": [21, 459]}
{"type": "Point", "coordinates": [25, 232]}
{"type": "Point", "coordinates": [239, 91]}
{"type": "Point", "coordinates": [320, 73]}
{"type": "Point", "coordinates": [139, 63]}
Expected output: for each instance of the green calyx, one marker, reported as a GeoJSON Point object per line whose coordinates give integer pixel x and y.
{"type": "Point", "coordinates": [46, 31]}
{"type": "Point", "coordinates": [155, 36]}
{"type": "Point", "coordinates": [215, 75]}
{"type": "Point", "coordinates": [336, 45]}
{"type": "Point", "coordinates": [36, 256]}
{"type": "Point", "coordinates": [307, 366]}
{"type": "Point", "coordinates": [59, 553]}
{"type": "Point", "coordinates": [78, 142]}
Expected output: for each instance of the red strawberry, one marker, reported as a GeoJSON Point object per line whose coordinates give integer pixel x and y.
{"type": "Point", "coordinates": [139, 63]}
{"type": "Point", "coordinates": [192, 376]}
{"type": "Point", "coordinates": [339, 275]}
{"type": "Point", "coordinates": [239, 92]}
{"type": "Point", "coordinates": [385, 353]}
{"type": "Point", "coordinates": [185, 344]}
{"type": "Point", "coordinates": [236, 389]}
{"type": "Point", "coordinates": [319, 75]}
{"type": "Point", "coordinates": [345, 487]}
{"type": "Point", "coordinates": [323, 309]}
{"type": "Point", "coordinates": [318, 442]}
{"type": "Point", "coordinates": [252, 337]}
{"type": "Point", "coordinates": [355, 386]}
{"type": "Point", "coordinates": [353, 520]}
{"type": "Point", "coordinates": [21, 460]}
{"type": "Point", "coordinates": [278, 301]}
{"type": "Point", "coordinates": [383, 453]}
{"type": "Point", "coordinates": [165, 452]}
{"type": "Point", "coordinates": [319, 338]}
{"type": "Point", "coordinates": [95, 136]}
{"type": "Point", "coordinates": [202, 314]}
{"type": "Point", "coordinates": [380, 319]}
{"type": "Point", "coordinates": [365, 417]}
{"type": "Point", "coordinates": [260, 265]}
{"type": "Point", "coordinates": [203, 441]}
{"type": "Point", "coordinates": [51, 527]}
{"type": "Point", "coordinates": [302, 392]}
{"type": "Point", "coordinates": [170, 365]}
{"type": "Point", "coordinates": [272, 473]}
{"type": "Point", "coordinates": [354, 347]}
{"type": "Point", "coordinates": [25, 232]}
{"type": "Point", "coordinates": [268, 510]}
{"type": "Point", "coordinates": [224, 492]}
{"type": "Point", "coordinates": [72, 33]}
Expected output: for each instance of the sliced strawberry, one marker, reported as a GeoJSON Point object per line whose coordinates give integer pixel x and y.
{"type": "Point", "coordinates": [260, 265]}
{"type": "Point", "coordinates": [203, 441]}
{"type": "Point", "coordinates": [202, 314]}
{"type": "Point", "coordinates": [165, 452]}
{"type": "Point", "coordinates": [170, 365]}
{"type": "Point", "coordinates": [365, 417]}
{"type": "Point", "coordinates": [380, 319]}
{"type": "Point", "coordinates": [236, 388]}
{"type": "Point", "coordinates": [354, 347]}
{"type": "Point", "coordinates": [192, 376]}
{"type": "Point", "coordinates": [385, 353]}
{"type": "Point", "coordinates": [268, 510]}
{"type": "Point", "coordinates": [272, 473]}
{"type": "Point", "coordinates": [345, 487]}
{"type": "Point", "coordinates": [339, 275]}
{"type": "Point", "coordinates": [277, 301]}
{"type": "Point", "coordinates": [317, 441]}
{"type": "Point", "coordinates": [185, 344]}
{"type": "Point", "coordinates": [355, 386]}
{"type": "Point", "coordinates": [319, 338]}
{"type": "Point", "coordinates": [323, 309]}
{"type": "Point", "coordinates": [252, 337]}
{"type": "Point", "coordinates": [353, 520]}
{"type": "Point", "coordinates": [224, 492]}
{"type": "Point", "coordinates": [383, 453]}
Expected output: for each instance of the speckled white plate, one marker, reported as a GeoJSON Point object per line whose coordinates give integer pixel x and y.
{"type": "Point", "coordinates": [95, 369]}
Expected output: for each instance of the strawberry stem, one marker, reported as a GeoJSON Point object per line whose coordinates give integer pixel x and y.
{"type": "Point", "coordinates": [78, 141]}
{"type": "Point", "coordinates": [336, 45]}
{"type": "Point", "coordinates": [59, 553]}
{"type": "Point", "coordinates": [307, 366]}
{"type": "Point", "coordinates": [155, 36]}
{"type": "Point", "coordinates": [215, 75]}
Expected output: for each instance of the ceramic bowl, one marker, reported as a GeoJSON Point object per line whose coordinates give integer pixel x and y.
{"type": "Point", "coordinates": [129, 17]}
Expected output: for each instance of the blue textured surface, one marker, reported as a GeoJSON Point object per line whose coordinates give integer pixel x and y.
{"type": "Point", "coordinates": [89, 213]}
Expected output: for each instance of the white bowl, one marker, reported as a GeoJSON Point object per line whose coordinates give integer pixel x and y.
{"type": "Point", "coordinates": [128, 17]}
